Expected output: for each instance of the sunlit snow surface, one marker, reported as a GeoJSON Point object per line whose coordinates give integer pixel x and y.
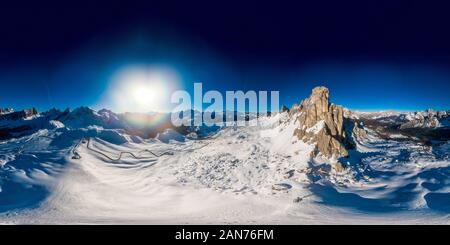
{"type": "Point", "coordinates": [240, 175]}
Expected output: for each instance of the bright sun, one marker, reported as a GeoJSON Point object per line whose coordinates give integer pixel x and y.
{"type": "Point", "coordinates": [147, 94]}
{"type": "Point", "coordinates": [143, 89]}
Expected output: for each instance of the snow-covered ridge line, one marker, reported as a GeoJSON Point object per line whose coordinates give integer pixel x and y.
{"type": "Point", "coordinates": [418, 119]}
{"type": "Point", "coordinates": [86, 166]}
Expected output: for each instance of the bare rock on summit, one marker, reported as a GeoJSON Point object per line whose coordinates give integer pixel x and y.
{"type": "Point", "coordinates": [321, 123]}
{"type": "Point", "coordinates": [284, 109]}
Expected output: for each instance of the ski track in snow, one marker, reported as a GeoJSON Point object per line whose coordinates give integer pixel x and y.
{"type": "Point", "coordinates": [243, 175]}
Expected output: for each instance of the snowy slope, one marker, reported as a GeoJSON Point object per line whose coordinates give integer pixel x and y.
{"type": "Point", "coordinates": [262, 175]}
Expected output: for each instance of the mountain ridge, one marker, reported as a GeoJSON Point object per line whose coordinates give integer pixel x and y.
{"type": "Point", "coordinates": [331, 128]}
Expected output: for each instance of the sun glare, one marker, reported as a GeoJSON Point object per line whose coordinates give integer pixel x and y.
{"type": "Point", "coordinates": [147, 95]}
{"type": "Point", "coordinates": [143, 89]}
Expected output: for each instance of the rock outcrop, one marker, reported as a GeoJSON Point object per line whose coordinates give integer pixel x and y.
{"type": "Point", "coordinates": [359, 132]}
{"type": "Point", "coordinates": [6, 110]}
{"type": "Point", "coordinates": [284, 109]}
{"type": "Point", "coordinates": [426, 119]}
{"type": "Point", "coordinates": [355, 130]}
{"type": "Point", "coordinates": [321, 123]}
{"type": "Point", "coordinates": [10, 114]}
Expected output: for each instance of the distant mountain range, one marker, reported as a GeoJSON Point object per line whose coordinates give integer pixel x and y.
{"type": "Point", "coordinates": [83, 165]}
{"type": "Point", "coordinates": [148, 125]}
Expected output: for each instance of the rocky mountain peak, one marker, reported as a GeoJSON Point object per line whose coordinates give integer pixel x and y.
{"type": "Point", "coordinates": [284, 109]}
{"type": "Point", "coordinates": [6, 110]}
{"type": "Point", "coordinates": [10, 114]}
{"type": "Point", "coordinates": [321, 123]}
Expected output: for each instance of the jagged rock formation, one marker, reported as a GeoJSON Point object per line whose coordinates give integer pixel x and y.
{"type": "Point", "coordinates": [6, 110]}
{"type": "Point", "coordinates": [9, 114]}
{"type": "Point", "coordinates": [284, 109]}
{"type": "Point", "coordinates": [359, 132]}
{"type": "Point", "coordinates": [355, 130]}
{"type": "Point", "coordinates": [321, 123]}
{"type": "Point", "coordinates": [426, 119]}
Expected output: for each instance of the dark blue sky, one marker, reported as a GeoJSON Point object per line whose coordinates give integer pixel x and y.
{"type": "Point", "coordinates": [373, 55]}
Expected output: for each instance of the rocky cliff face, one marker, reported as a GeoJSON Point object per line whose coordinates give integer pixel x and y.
{"type": "Point", "coordinates": [284, 109]}
{"type": "Point", "coordinates": [321, 123]}
{"type": "Point", "coordinates": [426, 119]}
{"type": "Point", "coordinates": [6, 110]}
{"type": "Point", "coordinates": [10, 114]}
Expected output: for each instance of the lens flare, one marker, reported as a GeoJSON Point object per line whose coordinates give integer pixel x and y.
{"type": "Point", "coordinates": [142, 89]}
